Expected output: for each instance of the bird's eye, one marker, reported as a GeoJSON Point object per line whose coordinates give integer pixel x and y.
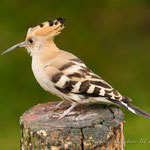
{"type": "Point", "coordinates": [30, 40]}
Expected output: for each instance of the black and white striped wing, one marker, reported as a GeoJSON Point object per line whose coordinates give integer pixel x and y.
{"type": "Point", "coordinates": [75, 77]}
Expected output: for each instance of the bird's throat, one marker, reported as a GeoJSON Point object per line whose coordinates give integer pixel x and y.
{"type": "Point", "coordinates": [47, 52]}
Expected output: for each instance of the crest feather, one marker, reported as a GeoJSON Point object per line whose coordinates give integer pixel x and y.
{"type": "Point", "coordinates": [47, 28]}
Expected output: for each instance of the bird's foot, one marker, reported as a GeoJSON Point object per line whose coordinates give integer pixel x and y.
{"type": "Point", "coordinates": [67, 112]}
{"type": "Point", "coordinates": [60, 116]}
{"type": "Point", "coordinates": [56, 107]}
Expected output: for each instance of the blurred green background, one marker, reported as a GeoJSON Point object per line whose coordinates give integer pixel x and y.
{"type": "Point", "coordinates": [112, 37]}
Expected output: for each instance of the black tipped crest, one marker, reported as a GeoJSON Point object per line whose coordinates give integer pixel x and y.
{"type": "Point", "coordinates": [50, 23]}
{"type": "Point", "coordinates": [61, 20]}
{"type": "Point", "coordinates": [41, 25]}
{"type": "Point", "coordinates": [56, 22]}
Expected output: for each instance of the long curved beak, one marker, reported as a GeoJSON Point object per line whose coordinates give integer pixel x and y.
{"type": "Point", "coordinates": [22, 44]}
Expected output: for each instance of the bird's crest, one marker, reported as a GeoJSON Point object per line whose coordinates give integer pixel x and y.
{"type": "Point", "coordinates": [47, 28]}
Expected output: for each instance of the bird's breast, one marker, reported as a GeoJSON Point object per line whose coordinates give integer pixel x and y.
{"type": "Point", "coordinates": [42, 78]}
{"type": "Point", "coordinates": [40, 75]}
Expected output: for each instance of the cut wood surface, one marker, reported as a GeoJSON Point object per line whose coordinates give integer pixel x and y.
{"type": "Point", "coordinates": [92, 126]}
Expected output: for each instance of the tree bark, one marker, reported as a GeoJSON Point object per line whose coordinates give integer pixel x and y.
{"type": "Point", "coordinates": [92, 127]}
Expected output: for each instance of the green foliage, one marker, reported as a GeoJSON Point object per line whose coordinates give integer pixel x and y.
{"type": "Point", "coordinates": [111, 37]}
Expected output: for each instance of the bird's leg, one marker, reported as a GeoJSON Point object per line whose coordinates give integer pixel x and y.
{"type": "Point", "coordinates": [66, 112]}
{"type": "Point", "coordinates": [59, 104]}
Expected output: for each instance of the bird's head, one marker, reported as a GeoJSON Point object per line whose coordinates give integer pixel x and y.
{"type": "Point", "coordinates": [39, 35]}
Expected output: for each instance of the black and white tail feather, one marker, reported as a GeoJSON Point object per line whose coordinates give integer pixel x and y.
{"type": "Point", "coordinates": [134, 109]}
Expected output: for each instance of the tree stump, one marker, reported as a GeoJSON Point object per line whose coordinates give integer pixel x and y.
{"type": "Point", "coordinates": [92, 127]}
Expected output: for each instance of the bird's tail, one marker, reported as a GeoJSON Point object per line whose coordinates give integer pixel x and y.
{"type": "Point", "coordinates": [134, 109]}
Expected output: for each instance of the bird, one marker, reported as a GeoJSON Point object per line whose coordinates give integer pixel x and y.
{"type": "Point", "coordinates": [63, 74]}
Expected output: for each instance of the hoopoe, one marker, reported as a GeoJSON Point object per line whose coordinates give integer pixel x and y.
{"type": "Point", "coordinates": [65, 75]}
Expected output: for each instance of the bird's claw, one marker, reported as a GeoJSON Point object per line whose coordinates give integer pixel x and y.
{"type": "Point", "coordinates": [60, 116]}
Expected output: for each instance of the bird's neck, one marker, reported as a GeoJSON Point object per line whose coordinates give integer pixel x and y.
{"type": "Point", "coordinates": [48, 50]}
